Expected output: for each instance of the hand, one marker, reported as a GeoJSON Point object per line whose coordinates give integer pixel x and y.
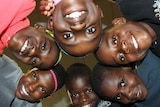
{"type": "Point", "coordinates": [46, 7]}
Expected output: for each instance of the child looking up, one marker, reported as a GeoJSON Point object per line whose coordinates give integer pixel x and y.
{"type": "Point", "coordinates": [34, 47]}
{"type": "Point", "coordinates": [77, 26]}
{"type": "Point", "coordinates": [26, 90]}
{"type": "Point", "coordinates": [10, 75]}
{"type": "Point", "coordinates": [134, 10]}
{"type": "Point", "coordinates": [37, 84]}
{"type": "Point", "coordinates": [29, 45]}
{"type": "Point", "coordinates": [125, 86]}
{"type": "Point", "coordinates": [147, 18]}
{"type": "Point", "coordinates": [125, 42]}
{"type": "Point", "coordinates": [80, 90]}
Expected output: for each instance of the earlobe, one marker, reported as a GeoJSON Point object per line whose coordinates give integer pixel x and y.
{"type": "Point", "coordinates": [50, 23]}
{"type": "Point", "coordinates": [39, 26]}
{"type": "Point", "coordinates": [118, 21]}
{"type": "Point", "coordinates": [101, 12]}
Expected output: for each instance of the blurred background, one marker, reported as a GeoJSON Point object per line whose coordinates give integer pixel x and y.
{"type": "Point", "coordinates": [60, 98]}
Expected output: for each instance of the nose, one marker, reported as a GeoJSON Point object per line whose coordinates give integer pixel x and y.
{"type": "Point", "coordinates": [32, 87]}
{"type": "Point", "coordinates": [128, 93]}
{"type": "Point", "coordinates": [83, 97]}
{"type": "Point", "coordinates": [33, 52]}
{"type": "Point", "coordinates": [78, 26]}
{"type": "Point", "coordinates": [124, 47]}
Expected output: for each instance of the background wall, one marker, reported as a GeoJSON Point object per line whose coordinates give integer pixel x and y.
{"type": "Point", "coordinates": [60, 98]}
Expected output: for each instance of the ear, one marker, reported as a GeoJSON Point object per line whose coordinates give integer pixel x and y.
{"type": "Point", "coordinates": [100, 10]}
{"type": "Point", "coordinates": [50, 23]}
{"type": "Point", "coordinates": [39, 26]}
{"type": "Point", "coordinates": [118, 21]}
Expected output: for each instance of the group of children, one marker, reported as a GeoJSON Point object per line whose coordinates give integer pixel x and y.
{"type": "Point", "coordinates": [118, 48]}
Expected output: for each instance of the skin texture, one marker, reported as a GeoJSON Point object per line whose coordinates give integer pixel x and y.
{"type": "Point", "coordinates": [77, 26]}
{"type": "Point", "coordinates": [118, 47]}
{"type": "Point", "coordinates": [46, 7]}
{"type": "Point", "coordinates": [41, 50]}
{"type": "Point", "coordinates": [37, 85]}
{"type": "Point", "coordinates": [81, 92]}
{"type": "Point", "coordinates": [123, 85]}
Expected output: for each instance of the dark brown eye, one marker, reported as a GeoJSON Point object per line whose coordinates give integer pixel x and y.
{"type": "Point", "coordinates": [42, 90]}
{"type": "Point", "coordinates": [121, 57]}
{"type": "Point", "coordinates": [34, 60]}
{"type": "Point", "coordinates": [68, 35]}
{"type": "Point", "coordinates": [89, 91]}
{"type": "Point", "coordinates": [43, 46]}
{"type": "Point", "coordinates": [34, 76]}
{"type": "Point", "coordinates": [118, 97]}
{"type": "Point", "coordinates": [115, 39]}
{"type": "Point", "coordinates": [122, 83]}
{"type": "Point", "coordinates": [75, 95]}
{"type": "Point", "coordinates": [90, 30]}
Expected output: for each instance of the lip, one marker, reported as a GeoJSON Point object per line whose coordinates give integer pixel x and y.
{"type": "Point", "coordinates": [139, 94]}
{"type": "Point", "coordinates": [135, 43]}
{"type": "Point", "coordinates": [88, 105]}
{"type": "Point", "coordinates": [23, 48]}
{"type": "Point", "coordinates": [76, 16]}
{"type": "Point", "coordinates": [27, 45]}
{"type": "Point", "coordinates": [24, 92]}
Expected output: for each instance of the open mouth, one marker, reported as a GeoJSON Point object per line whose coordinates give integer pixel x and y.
{"type": "Point", "coordinates": [135, 43]}
{"type": "Point", "coordinates": [75, 14]}
{"type": "Point", "coordinates": [24, 91]}
{"type": "Point", "coordinates": [86, 105]}
{"type": "Point", "coordinates": [24, 47]}
{"type": "Point", "coordinates": [138, 94]}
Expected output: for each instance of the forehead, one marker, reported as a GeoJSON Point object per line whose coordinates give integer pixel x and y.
{"type": "Point", "coordinates": [79, 82]}
{"type": "Point", "coordinates": [65, 7]}
{"type": "Point", "coordinates": [126, 26]}
{"type": "Point", "coordinates": [43, 77]}
{"type": "Point", "coordinates": [73, 3]}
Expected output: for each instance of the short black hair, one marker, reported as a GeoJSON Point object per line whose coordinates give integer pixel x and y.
{"type": "Point", "coordinates": [60, 74]}
{"type": "Point", "coordinates": [75, 70]}
{"type": "Point", "coordinates": [97, 78]}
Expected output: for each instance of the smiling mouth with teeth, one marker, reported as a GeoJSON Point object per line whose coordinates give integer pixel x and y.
{"type": "Point", "coordinates": [86, 105]}
{"type": "Point", "coordinates": [23, 48]}
{"type": "Point", "coordinates": [75, 14]}
{"type": "Point", "coordinates": [135, 42]}
{"type": "Point", "coordinates": [24, 91]}
{"type": "Point", "coordinates": [138, 94]}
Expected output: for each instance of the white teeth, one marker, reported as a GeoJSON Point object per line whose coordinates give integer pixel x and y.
{"type": "Point", "coordinates": [24, 46]}
{"type": "Point", "coordinates": [135, 42]}
{"type": "Point", "coordinates": [75, 14]}
{"type": "Point", "coordinates": [86, 105]}
{"type": "Point", "coordinates": [24, 90]}
{"type": "Point", "coordinates": [138, 93]}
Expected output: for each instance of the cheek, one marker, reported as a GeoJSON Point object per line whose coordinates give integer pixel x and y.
{"type": "Point", "coordinates": [125, 101]}
{"type": "Point", "coordinates": [133, 57]}
{"type": "Point", "coordinates": [93, 97]}
{"type": "Point", "coordinates": [75, 101]}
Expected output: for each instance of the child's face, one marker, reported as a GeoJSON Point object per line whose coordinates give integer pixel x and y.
{"type": "Point", "coordinates": [123, 44]}
{"type": "Point", "coordinates": [123, 86]}
{"type": "Point", "coordinates": [35, 85]}
{"type": "Point", "coordinates": [77, 26]}
{"type": "Point", "coordinates": [34, 47]}
{"type": "Point", "coordinates": [81, 92]}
